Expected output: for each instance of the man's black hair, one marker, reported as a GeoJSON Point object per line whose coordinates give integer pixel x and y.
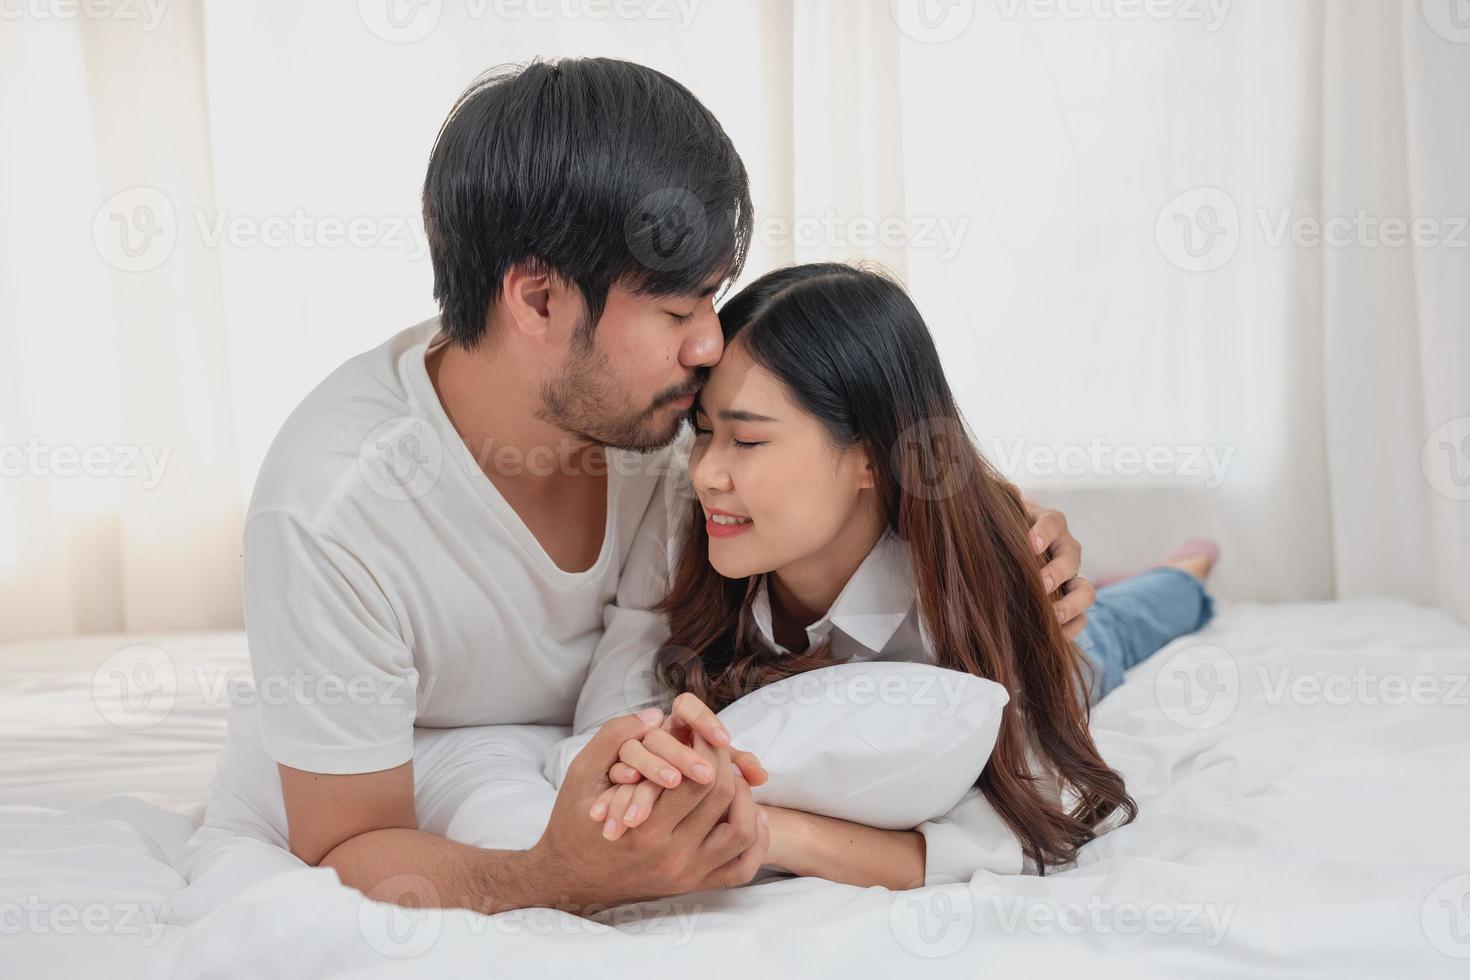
{"type": "Point", "coordinates": [596, 170]}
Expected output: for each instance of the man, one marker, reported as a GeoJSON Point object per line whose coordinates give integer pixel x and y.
{"type": "Point", "coordinates": [438, 531]}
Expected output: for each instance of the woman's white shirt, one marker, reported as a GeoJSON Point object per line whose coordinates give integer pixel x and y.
{"type": "Point", "coordinates": [875, 617]}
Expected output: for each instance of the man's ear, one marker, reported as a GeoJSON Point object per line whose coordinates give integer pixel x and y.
{"type": "Point", "coordinates": [526, 295]}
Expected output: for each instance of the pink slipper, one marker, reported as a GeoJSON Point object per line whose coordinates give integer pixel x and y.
{"type": "Point", "coordinates": [1206, 547]}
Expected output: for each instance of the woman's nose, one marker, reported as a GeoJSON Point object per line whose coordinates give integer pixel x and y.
{"type": "Point", "coordinates": [709, 473]}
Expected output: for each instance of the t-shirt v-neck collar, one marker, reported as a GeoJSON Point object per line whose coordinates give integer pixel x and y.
{"type": "Point", "coordinates": [421, 388]}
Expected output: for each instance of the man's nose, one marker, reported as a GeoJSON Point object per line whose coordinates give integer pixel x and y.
{"type": "Point", "coordinates": [705, 344]}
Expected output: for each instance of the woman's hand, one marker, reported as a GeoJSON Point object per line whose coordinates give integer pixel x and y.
{"type": "Point", "coordinates": [660, 760]}
{"type": "Point", "coordinates": [811, 845]}
{"type": "Point", "coordinates": [663, 755]}
{"type": "Point", "coordinates": [621, 808]}
{"type": "Point", "coordinates": [786, 828]}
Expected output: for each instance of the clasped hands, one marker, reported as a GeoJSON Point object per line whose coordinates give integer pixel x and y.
{"type": "Point", "coordinates": [687, 744]}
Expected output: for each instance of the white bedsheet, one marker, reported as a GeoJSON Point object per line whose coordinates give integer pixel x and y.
{"type": "Point", "coordinates": [1285, 830]}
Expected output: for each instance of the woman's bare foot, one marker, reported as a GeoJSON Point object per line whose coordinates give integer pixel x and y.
{"type": "Point", "coordinates": [1197, 565]}
{"type": "Point", "coordinates": [1197, 558]}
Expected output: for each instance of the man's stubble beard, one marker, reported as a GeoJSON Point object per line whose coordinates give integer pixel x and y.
{"type": "Point", "coordinates": [584, 402]}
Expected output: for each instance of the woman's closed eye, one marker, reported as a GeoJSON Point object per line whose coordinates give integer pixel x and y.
{"type": "Point", "coordinates": [701, 431]}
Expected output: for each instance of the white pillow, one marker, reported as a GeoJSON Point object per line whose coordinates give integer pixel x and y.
{"type": "Point", "coordinates": [889, 745]}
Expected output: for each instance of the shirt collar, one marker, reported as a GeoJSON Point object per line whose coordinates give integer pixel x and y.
{"type": "Point", "coordinates": [870, 608]}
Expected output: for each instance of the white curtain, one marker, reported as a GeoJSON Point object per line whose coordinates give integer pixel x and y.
{"type": "Point", "coordinates": [120, 485]}
{"type": "Point", "coordinates": [1396, 321]}
{"type": "Point", "coordinates": [1105, 210]}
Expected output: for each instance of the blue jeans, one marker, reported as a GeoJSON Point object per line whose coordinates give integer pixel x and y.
{"type": "Point", "coordinates": [1135, 618]}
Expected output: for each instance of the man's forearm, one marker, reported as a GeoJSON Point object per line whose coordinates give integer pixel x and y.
{"type": "Point", "coordinates": [812, 845]}
{"type": "Point", "coordinates": [418, 869]}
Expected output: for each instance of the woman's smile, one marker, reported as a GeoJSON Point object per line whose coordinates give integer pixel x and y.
{"type": "Point", "coordinates": [723, 524]}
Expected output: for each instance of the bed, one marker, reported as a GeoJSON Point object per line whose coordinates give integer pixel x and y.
{"type": "Point", "coordinates": [1302, 770]}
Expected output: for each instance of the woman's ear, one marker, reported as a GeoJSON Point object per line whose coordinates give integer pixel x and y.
{"type": "Point", "coordinates": [867, 477]}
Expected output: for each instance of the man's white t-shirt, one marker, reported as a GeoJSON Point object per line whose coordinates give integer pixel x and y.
{"type": "Point", "coordinates": [389, 585]}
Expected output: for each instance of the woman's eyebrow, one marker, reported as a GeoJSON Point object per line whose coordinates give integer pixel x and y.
{"type": "Point", "coordinates": [733, 414]}
{"type": "Point", "coordinates": [739, 415]}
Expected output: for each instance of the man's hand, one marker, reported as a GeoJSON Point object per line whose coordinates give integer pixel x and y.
{"type": "Point", "coordinates": [1049, 536]}
{"type": "Point", "coordinates": [703, 835]}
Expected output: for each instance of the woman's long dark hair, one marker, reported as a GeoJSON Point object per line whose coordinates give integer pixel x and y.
{"type": "Point", "coordinates": [853, 351]}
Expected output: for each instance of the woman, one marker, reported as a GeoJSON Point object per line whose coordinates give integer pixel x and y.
{"type": "Point", "coordinates": [840, 513]}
